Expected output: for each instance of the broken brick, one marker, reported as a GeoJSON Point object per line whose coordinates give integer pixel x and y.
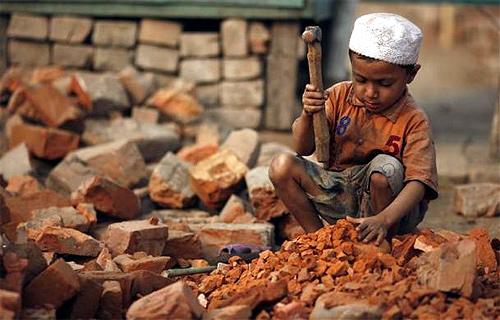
{"type": "Point", "coordinates": [68, 241]}
{"type": "Point", "coordinates": [86, 300]}
{"type": "Point", "coordinates": [55, 285]}
{"type": "Point", "coordinates": [234, 211]}
{"type": "Point", "coordinates": [478, 199]}
{"type": "Point", "coordinates": [106, 262]}
{"type": "Point", "coordinates": [23, 185]}
{"type": "Point", "coordinates": [181, 244]}
{"type": "Point", "coordinates": [485, 254]}
{"type": "Point", "coordinates": [130, 263]}
{"type": "Point", "coordinates": [43, 142]}
{"type": "Point", "coordinates": [107, 197]}
{"type": "Point", "coordinates": [228, 313]}
{"type": "Point", "coordinates": [197, 152]}
{"type": "Point", "coordinates": [217, 177]}
{"type": "Point", "coordinates": [176, 104]}
{"type": "Point", "coordinates": [134, 236]}
{"type": "Point", "coordinates": [111, 302]}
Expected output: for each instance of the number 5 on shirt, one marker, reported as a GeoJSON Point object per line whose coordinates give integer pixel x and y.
{"type": "Point", "coordinates": [393, 145]}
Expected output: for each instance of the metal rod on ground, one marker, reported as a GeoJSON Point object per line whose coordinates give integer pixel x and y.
{"type": "Point", "coordinates": [170, 273]}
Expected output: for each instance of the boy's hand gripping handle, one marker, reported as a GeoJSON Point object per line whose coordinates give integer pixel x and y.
{"type": "Point", "coordinates": [312, 37]}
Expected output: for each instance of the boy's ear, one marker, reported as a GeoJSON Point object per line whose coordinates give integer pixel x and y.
{"type": "Point", "coordinates": [413, 73]}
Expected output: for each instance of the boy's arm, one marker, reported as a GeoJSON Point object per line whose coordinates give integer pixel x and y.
{"type": "Point", "coordinates": [303, 134]}
{"type": "Point", "coordinates": [376, 227]}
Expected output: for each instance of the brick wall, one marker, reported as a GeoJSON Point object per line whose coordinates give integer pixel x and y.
{"type": "Point", "coordinates": [232, 65]}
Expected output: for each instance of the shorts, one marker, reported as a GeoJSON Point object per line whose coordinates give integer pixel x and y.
{"type": "Point", "coordinates": [347, 193]}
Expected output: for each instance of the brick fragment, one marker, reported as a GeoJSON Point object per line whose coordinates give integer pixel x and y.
{"type": "Point", "coordinates": [176, 104]}
{"type": "Point", "coordinates": [200, 44]}
{"type": "Point", "coordinates": [106, 262]}
{"type": "Point", "coordinates": [55, 285]}
{"type": "Point", "coordinates": [23, 185]}
{"type": "Point", "coordinates": [138, 85]}
{"type": "Point", "coordinates": [114, 33]}
{"type": "Point", "coordinates": [180, 244]}
{"type": "Point", "coordinates": [138, 235]}
{"type": "Point", "coordinates": [479, 199]}
{"type": "Point", "coordinates": [485, 255]}
{"type": "Point", "coordinates": [235, 211]}
{"type": "Point", "coordinates": [125, 280]}
{"type": "Point", "coordinates": [45, 143]}
{"type": "Point", "coordinates": [258, 37]}
{"type": "Point", "coordinates": [174, 301]}
{"type": "Point", "coordinates": [451, 268]}
{"type": "Point", "coordinates": [168, 184]}
{"type": "Point", "coordinates": [144, 282]}
{"type": "Point", "coordinates": [129, 263]}
{"type": "Point", "coordinates": [16, 162]}
{"type": "Point", "coordinates": [69, 29]}
{"type": "Point", "coordinates": [197, 152]}
{"type": "Point", "coordinates": [111, 302]}
{"type": "Point", "coordinates": [263, 196]}
{"type": "Point", "coordinates": [68, 241]}
{"type": "Point", "coordinates": [160, 32]}
{"type": "Point", "coordinates": [86, 300]}
{"type": "Point", "coordinates": [245, 143]}
{"type": "Point", "coordinates": [108, 198]}
{"type": "Point", "coordinates": [25, 26]}
{"type": "Point", "coordinates": [230, 312]}
{"type": "Point", "coordinates": [68, 175]}
{"type": "Point", "coordinates": [234, 37]}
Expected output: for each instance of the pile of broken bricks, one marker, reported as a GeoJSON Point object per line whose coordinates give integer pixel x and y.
{"type": "Point", "coordinates": [100, 199]}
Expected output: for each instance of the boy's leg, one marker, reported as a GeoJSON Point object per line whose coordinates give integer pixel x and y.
{"type": "Point", "coordinates": [292, 182]}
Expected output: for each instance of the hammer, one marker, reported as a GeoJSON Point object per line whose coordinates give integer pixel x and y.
{"type": "Point", "coordinates": [312, 37]}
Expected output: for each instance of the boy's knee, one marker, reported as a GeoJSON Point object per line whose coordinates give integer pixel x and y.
{"type": "Point", "coordinates": [379, 182]}
{"type": "Point", "coordinates": [281, 166]}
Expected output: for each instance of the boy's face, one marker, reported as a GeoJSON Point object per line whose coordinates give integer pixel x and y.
{"type": "Point", "coordinates": [379, 84]}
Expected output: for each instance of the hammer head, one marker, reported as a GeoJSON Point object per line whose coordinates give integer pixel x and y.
{"type": "Point", "coordinates": [312, 34]}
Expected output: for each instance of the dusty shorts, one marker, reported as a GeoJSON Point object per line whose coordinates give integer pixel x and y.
{"type": "Point", "coordinates": [347, 193]}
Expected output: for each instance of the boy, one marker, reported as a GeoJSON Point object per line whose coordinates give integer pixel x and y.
{"type": "Point", "coordinates": [382, 171]}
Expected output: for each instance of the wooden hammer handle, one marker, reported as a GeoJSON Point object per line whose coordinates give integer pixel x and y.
{"type": "Point", "coordinates": [321, 130]}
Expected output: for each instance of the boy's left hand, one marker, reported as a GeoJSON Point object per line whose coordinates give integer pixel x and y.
{"type": "Point", "coordinates": [370, 228]}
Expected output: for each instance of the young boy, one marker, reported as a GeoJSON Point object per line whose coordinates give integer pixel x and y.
{"type": "Point", "coordinates": [382, 168]}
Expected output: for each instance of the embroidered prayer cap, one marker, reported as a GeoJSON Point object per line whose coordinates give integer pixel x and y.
{"type": "Point", "coordinates": [387, 37]}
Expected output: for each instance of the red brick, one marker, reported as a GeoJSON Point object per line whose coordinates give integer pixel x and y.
{"type": "Point", "coordinates": [111, 302]}
{"type": "Point", "coordinates": [485, 255]}
{"type": "Point", "coordinates": [181, 244]}
{"type": "Point", "coordinates": [130, 263]}
{"type": "Point", "coordinates": [176, 104]}
{"type": "Point", "coordinates": [107, 197]}
{"type": "Point", "coordinates": [55, 285]}
{"type": "Point", "coordinates": [68, 241]}
{"type": "Point", "coordinates": [197, 152]}
{"type": "Point", "coordinates": [23, 185]}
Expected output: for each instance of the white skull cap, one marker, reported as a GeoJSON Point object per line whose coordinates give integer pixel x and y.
{"type": "Point", "coordinates": [387, 37]}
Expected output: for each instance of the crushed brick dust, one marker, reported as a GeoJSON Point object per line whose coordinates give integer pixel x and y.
{"type": "Point", "coordinates": [285, 284]}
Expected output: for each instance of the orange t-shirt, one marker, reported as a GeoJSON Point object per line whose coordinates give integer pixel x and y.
{"type": "Point", "coordinates": [403, 131]}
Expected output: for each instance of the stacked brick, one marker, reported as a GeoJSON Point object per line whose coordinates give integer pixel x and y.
{"type": "Point", "coordinates": [226, 65]}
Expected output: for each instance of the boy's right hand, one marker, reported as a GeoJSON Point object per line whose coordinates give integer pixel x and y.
{"type": "Point", "coordinates": [313, 100]}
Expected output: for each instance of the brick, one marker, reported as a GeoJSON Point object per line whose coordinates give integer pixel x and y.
{"type": "Point", "coordinates": [182, 244]}
{"type": "Point", "coordinates": [111, 302]}
{"type": "Point", "coordinates": [114, 33]}
{"type": "Point", "coordinates": [168, 184]}
{"type": "Point", "coordinates": [200, 70]}
{"type": "Point", "coordinates": [45, 143]}
{"type": "Point", "coordinates": [200, 44]}
{"type": "Point", "coordinates": [356, 310]}
{"type": "Point", "coordinates": [120, 161]}
{"type": "Point", "coordinates": [174, 301]}
{"type": "Point", "coordinates": [68, 217]}
{"type": "Point", "coordinates": [106, 93]}
{"type": "Point", "coordinates": [72, 56]}
{"type": "Point", "coordinates": [197, 152]}
{"type": "Point", "coordinates": [238, 118]}
{"type": "Point", "coordinates": [28, 54]}
{"type": "Point", "coordinates": [235, 211]}
{"type": "Point", "coordinates": [258, 37]}
{"type": "Point", "coordinates": [231, 312]}
{"type": "Point", "coordinates": [125, 280]}
{"type": "Point", "coordinates": [112, 59]}
{"type": "Point", "coordinates": [25, 26]}
{"type": "Point", "coordinates": [160, 32]}
{"type": "Point", "coordinates": [208, 94]}
{"type": "Point", "coordinates": [283, 108]}
{"type": "Point", "coordinates": [68, 175]}
{"type": "Point", "coordinates": [133, 236]}
{"type": "Point", "coordinates": [10, 304]}
{"type": "Point", "coordinates": [86, 300]}
{"type": "Point", "coordinates": [269, 150]}
{"type": "Point", "coordinates": [106, 262]}
{"type": "Point", "coordinates": [144, 282]}
{"type": "Point", "coordinates": [68, 241]}
{"type": "Point", "coordinates": [48, 105]}
{"type": "Point", "coordinates": [21, 207]}
{"type": "Point", "coordinates": [74, 86]}
{"type": "Point", "coordinates": [152, 140]}
{"type": "Point", "coordinates": [263, 197]}
{"type": "Point", "coordinates": [234, 37]}
{"type": "Point", "coordinates": [241, 69]}
{"type": "Point", "coordinates": [485, 255]}
{"type": "Point", "coordinates": [108, 198]}
{"type": "Point", "coordinates": [176, 104]}
{"type": "Point", "coordinates": [214, 236]}
{"type": "Point", "coordinates": [217, 177]}
{"type": "Point", "coordinates": [478, 199]}
{"type": "Point", "coordinates": [55, 285]}
{"type": "Point", "coordinates": [245, 143]}
{"type": "Point", "coordinates": [242, 93]}
{"type": "Point", "coordinates": [145, 115]}
{"type": "Point", "coordinates": [129, 263]}
{"type": "Point", "coordinates": [157, 58]}
{"type": "Point", "coordinates": [69, 29]}
{"type": "Point", "coordinates": [16, 162]}
{"type": "Point", "coordinates": [138, 85]}
{"type": "Point", "coordinates": [451, 268]}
